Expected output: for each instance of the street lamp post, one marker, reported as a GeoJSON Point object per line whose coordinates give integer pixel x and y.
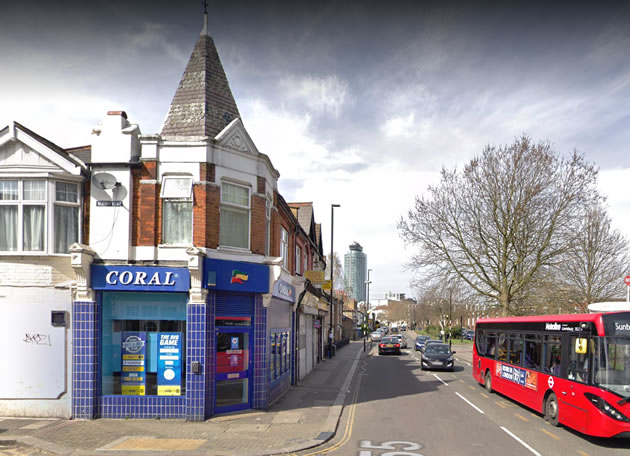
{"type": "Point", "coordinates": [332, 275]}
{"type": "Point", "coordinates": [368, 282]}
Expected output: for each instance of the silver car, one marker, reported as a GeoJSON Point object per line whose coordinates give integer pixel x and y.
{"type": "Point", "coordinates": [401, 338]}
{"type": "Point", "coordinates": [376, 336]}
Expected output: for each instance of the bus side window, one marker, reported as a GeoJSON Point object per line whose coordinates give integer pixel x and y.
{"type": "Point", "coordinates": [533, 350]}
{"type": "Point", "coordinates": [481, 343]}
{"type": "Point", "coordinates": [492, 346]}
{"type": "Point", "coordinates": [502, 347]}
{"type": "Point", "coordinates": [516, 349]}
{"type": "Point", "coordinates": [553, 352]}
{"type": "Point", "coordinates": [578, 360]}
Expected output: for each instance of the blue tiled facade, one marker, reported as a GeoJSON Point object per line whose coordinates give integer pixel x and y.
{"type": "Point", "coordinates": [198, 403]}
{"type": "Point", "coordinates": [196, 352]}
{"type": "Point", "coordinates": [261, 379]}
{"type": "Point", "coordinates": [142, 407]}
{"type": "Point", "coordinates": [85, 359]}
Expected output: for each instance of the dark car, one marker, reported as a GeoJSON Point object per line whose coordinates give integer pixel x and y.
{"type": "Point", "coordinates": [389, 345]}
{"type": "Point", "coordinates": [437, 356]}
{"type": "Point", "coordinates": [429, 342]}
{"type": "Point", "coordinates": [420, 340]}
{"type": "Point", "coordinates": [469, 334]}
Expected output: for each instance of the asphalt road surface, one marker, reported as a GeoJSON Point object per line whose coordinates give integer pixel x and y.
{"type": "Point", "coordinates": [396, 409]}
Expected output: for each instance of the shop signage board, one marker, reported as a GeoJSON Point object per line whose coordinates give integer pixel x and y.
{"type": "Point", "coordinates": [140, 278]}
{"type": "Point", "coordinates": [169, 364]}
{"type": "Point", "coordinates": [133, 351]}
{"type": "Point", "coordinates": [236, 276]}
{"type": "Point", "coordinates": [283, 290]}
{"type": "Point", "coordinates": [315, 277]}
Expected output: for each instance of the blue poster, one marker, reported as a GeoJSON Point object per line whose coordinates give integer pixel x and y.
{"type": "Point", "coordinates": [169, 371]}
{"type": "Point", "coordinates": [133, 357]}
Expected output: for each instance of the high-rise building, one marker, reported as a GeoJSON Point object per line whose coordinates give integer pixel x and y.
{"type": "Point", "coordinates": [355, 271]}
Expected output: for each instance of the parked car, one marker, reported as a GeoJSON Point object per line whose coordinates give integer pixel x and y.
{"type": "Point", "coordinates": [429, 342]}
{"type": "Point", "coordinates": [437, 356]}
{"type": "Point", "coordinates": [469, 334]}
{"type": "Point", "coordinates": [376, 336]}
{"type": "Point", "coordinates": [389, 345]}
{"type": "Point", "coordinates": [402, 340]}
{"type": "Point", "coordinates": [420, 340]}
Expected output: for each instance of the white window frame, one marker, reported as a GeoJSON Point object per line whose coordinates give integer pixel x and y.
{"type": "Point", "coordinates": [298, 259]}
{"type": "Point", "coordinates": [177, 188]}
{"type": "Point", "coordinates": [74, 204]}
{"type": "Point", "coordinates": [284, 247]}
{"type": "Point", "coordinates": [239, 207]}
{"type": "Point", "coordinates": [49, 202]}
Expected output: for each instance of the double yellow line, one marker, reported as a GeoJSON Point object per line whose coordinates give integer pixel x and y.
{"type": "Point", "coordinates": [348, 431]}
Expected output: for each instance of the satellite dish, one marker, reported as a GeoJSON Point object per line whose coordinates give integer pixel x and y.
{"type": "Point", "coordinates": [104, 181]}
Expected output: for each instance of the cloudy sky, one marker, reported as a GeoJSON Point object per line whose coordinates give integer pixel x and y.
{"type": "Point", "coordinates": [357, 103]}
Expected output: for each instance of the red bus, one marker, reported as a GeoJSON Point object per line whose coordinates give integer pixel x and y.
{"type": "Point", "coordinates": [574, 369]}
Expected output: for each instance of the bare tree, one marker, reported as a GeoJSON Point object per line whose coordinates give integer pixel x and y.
{"type": "Point", "coordinates": [593, 268]}
{"type": "Point", "coordinates": [509, 213]}
{"type": "Point", "coordinates": [339, 273]}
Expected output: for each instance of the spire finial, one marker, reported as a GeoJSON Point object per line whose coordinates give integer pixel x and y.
{"type": "Point", "coordinates": [204, 31]}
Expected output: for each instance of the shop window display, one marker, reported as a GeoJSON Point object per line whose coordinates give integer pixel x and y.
{"type": "Point", "coordinates": [144, 344]}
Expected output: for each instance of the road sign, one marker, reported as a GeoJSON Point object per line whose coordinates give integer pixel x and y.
{"type": "Point", "coordinates": [326, 286]}
{"type": "Point", "coordinates": [627, 280]}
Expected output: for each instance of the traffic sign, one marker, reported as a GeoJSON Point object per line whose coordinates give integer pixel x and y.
{"type": "Point", "coordinates": [627, 280]}
{"type": "Point", "coordinates": [327, 285]}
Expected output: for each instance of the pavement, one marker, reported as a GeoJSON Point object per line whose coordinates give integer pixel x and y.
{"type": "Point", "coordinates": [307, 416]}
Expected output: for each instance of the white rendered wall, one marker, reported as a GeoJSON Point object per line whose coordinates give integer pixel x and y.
{"type": "Point", "coordinates": [37, 370]}
{"type": "Point", "coordinates": [110, 226]}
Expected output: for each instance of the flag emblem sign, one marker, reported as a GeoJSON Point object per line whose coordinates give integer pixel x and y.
{"type": "Point", "coordinates": [238, 276]}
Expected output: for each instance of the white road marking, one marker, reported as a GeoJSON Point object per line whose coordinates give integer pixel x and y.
{"type": "Point", "coordinates": [435, 375]}
{"type": "Point", "coordinates": [470, 403]}
{"type": "Point", "coordinates": [520, 441]}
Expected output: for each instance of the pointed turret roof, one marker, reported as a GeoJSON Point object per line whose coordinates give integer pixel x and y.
{"type": "Point", "coordinates": [203, 103]}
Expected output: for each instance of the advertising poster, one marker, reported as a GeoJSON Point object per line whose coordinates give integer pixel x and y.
{"type": "Point", "coordinates": [517, 375]}
{"type": "Point", "coordinates": [133, 351]}
{"type": "Point", "coordinates": [169, 364]}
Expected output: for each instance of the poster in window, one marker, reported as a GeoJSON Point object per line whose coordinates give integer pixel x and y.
{"type": "Point", "coordinates": [169, 364]}
{"type": "Point", "coordinates": [133, 351]}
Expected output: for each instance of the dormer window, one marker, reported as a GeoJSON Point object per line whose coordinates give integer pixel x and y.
{"type": "Point", "coordinates": [177, 211]}
{"type": "Point", "coordinates": [25, 208]}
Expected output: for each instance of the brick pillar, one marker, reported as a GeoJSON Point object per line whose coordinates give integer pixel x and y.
{"type": "Point", "coordinates": [146, 209]}
{"type": "Point", "coordinates": [258, 232]}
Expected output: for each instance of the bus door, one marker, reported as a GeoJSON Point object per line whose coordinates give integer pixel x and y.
{"type": "Point", "coordinates": [573, 405]}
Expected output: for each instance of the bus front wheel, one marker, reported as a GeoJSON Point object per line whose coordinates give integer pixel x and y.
{"type": "Point", "coordinates": [488, 381]}
{"type": "Point", "coordinates": [551, 410]}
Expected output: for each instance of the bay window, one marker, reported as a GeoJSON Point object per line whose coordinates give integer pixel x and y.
{"type": "Point", "coordinates": [234, 216]}
{"type": "Point", "coordinates": [66, 216]}
{"type": "Point", "coordinates": [25, 208]}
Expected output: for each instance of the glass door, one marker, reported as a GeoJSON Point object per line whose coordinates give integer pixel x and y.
{"type": "Point", "coordinates": [233, 383]}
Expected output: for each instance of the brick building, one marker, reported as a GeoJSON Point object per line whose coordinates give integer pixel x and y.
{"type": "Point", "coordinates": [187, 290]}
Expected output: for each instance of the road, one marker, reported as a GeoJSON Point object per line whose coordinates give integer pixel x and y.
{"type": "Point", "coordinates": [396, 409]}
